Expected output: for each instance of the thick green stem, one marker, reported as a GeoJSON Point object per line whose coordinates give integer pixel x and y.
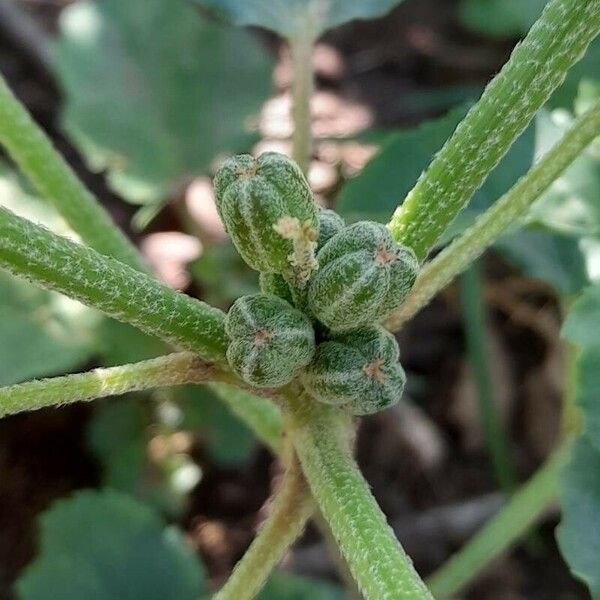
{"type": "Point", "coordinates": [35, 154]}
{"type": "Point", "coordinates": [322, 437]}
{"type": "Point", "coordinates": [522, 511]}
{"type": "Point", "coordinates": [301, 49]}
{"type": "Point", "coordinates": [56, 263]}
{"type": "Point", "coordinates": [291, 510]}
{"type": "Point", "coordinates": [506, 211]}
{"type": "Point", "coordinates": [477, 353]}
{"type": "Point", "coordinates": [536, 68]}
{"type": "Point", "coordinates": [174, 369]}
{"type": "Point", "coordinates": [262, 416]}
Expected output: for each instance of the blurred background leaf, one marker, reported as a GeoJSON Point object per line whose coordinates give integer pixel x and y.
{"type": "Point", "coordinates": [285, 586]}
{"type": "Point", "coordinates": [579, 531]}
{"type": "Point", "coordinates": [154, 92]}
{"type": "Point", "coordinates": [553, 258]}
{"type": "Point", "coordinates": [500, 18]}
{"type": "Point", "coordinates": [228, 440]}
{"type": "Point", "coordinates": [223, 275]}
{"type": "Point", "coordinates": [105, 545]}
{"type": "Point", "coordinates": [290, 17]}
{"type": "Point", "coordinates": [62, 331]}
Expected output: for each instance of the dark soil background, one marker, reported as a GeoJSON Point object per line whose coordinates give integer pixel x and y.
{"type": "Point", "coordinates": [427, 463]}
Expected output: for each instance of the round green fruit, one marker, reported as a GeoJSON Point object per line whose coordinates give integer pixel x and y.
{"type": "Point", "coordinates": [330, 223]}
{"type": "Point", "coordinates": [254, 196]}
{"type": "Point", "coordinates": [363, 276]}
{"type": "Point", "coordinates": [359, 369]}
{"type": "Point", "coordinates": [270, 341]}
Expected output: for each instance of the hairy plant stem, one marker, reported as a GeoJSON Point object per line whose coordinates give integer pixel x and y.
{"type": "Point", "coordinates": [35, 154]}
{"type": "Point", "coordinates": [173, 369]}
{"type": "Point", "coordinates": [291, 509]}
{"type": "Point", "coordinates": [322, 437]}
{"type": "Point", "coordinates": [455, 258]}
{"type": "Point", "coordinates": [301, 49]}
{"type": "Point", "coordinates": [523, 509]}
{"type": "Point", "coordinates": [535, 69]}
{"type": "Point", "coordinates": [474, 320]}
{"type": "Point", "coordinates": [120, 291]}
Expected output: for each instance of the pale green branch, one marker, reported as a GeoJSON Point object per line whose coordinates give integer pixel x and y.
{"type": "Point", "coordinates": [120, 291]}
{"type": "Point", "coordinates": [291, 510]}
{"type": "Point", "coordinates": [536, 68]}
{"type": "Point", "coordinates": [35, 154]}
{"type": "Point", "coordinates": [322, 437]}
{"type": "Point", "coordinates": [506, 211]}
{"type": "Point", "coordinates": [301, 49]}
{"type": "Point", "coordinates": [173, 369]}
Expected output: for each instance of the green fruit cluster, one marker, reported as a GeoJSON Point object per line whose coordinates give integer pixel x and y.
{"type": "Point", "coordinates": [325, 289]}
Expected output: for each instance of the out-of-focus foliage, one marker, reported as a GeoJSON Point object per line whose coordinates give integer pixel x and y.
{"type": "Point", "coordinates": [106, 545]}
{"type": "Point", "coordinates": [579, 531]}
{"type": "Point", "coordinates": [154, 92]}
{"type": "Point", "coordinates": [571, 205]}
{"type": "Point", "coordinates": [555, 259]}
{"type": "Point", "coordinates": [500, 18]}
{"type": "Point", "coordinates": [61, 331]}
{"type": "Point", "coordinates": [117, 435]}
{"type": "Point", "coordinates": [284, 586]}
{"type": "Point", "coordinates": [228, 440]}
{"type": "Point", "coordinates": [223, 275]}
{"type": "Point", "coordinates": [388, 177]}
{"type": "Point", "coordinates": [291, 18]}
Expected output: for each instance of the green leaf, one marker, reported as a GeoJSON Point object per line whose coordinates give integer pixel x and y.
{"type": "Point", "coordinates": [105, 545]}
{"type": "Point", "coordinates": [121, 343]}
{"type": "Point", "coordinates": [293, 17]}
{"type": "Point", "coordinates": [229, 440]}
{"type": "Point", "coordinates": [224, 275]}
{"type": "Point", "coordinates": [154, 92]}
{"type": "Point", "coordinates": [500, 18]}
{"type": "Point", "coordinates": [42, 333]}
{"type": "Point", "coordinates": [571, 205]}
{"type": "Point", "coordinates": [582, 326]}
{"type": "Point", "coordinates": [554, 259]}
{"type": "Point", "coordinates": [375, 192]}
{"type": "Point", "coordinates": [117, 435]}
{"type": "Point", "coordinates": [588, 391]}
{"type": "Point", "coordinates": [391, 174]}
{"type": "Point", "coordinates": [284, 586]}
{"type": "Point", "coordinates": [579, 532]}
{"type": "Point", "coordinates": [59, 329]}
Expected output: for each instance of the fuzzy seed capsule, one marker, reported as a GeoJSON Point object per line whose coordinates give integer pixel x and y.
{"type": "Point", "coordinates": [358, 369]}
{"type": "Point", "coordinates": [363, 276]}
{"type": "Point", "coordinates": [254, 197]}
{"type": "Point", "coordinates": [330, 223]}
{"type": "Point", "coordinates": [270, 341]}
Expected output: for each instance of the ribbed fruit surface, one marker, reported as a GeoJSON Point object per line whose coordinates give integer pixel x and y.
{"type": "Point", "coordinates": [252, 195]}
{"type": "Point", "coordinates": [330, 223]}
{"type": "Point", "coordinates": [359, 369]}
{"type": "Point", "coordinates": [270, 341]}
{"type": "Point", "coordinates": [363, 276]}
